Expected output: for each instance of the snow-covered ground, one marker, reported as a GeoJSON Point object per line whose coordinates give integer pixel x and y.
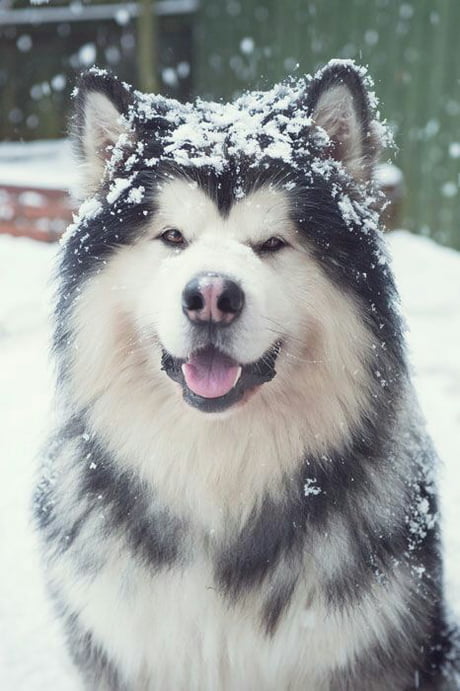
{"type": "Point", "coordinates": [47, 164]}
{"type": "Point", "coordinates": [31, 653]}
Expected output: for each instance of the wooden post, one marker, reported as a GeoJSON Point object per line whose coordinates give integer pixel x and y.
{"type": "Point", "coordinates": [147, 46]}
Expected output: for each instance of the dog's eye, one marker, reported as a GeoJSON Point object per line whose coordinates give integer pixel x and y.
{"type": "Point", "coordinates": [172, 236]}
{"type": "Point", "coordinates": [273, 244]}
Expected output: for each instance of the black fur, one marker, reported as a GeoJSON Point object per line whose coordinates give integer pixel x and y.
{"type": "Point", "coordinates": [155, 536]}
{"type": "Point", "coordinates": [96, 668]}
{"type": "Point", "coordinates": [277, 602]}
{"type": "Point", "coordinates": [356, 483]}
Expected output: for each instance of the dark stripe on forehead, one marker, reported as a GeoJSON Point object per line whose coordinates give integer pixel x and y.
{"type": "Point", "coordinates": [238, 179]}
{"type": "Point", "coordinates": [219, 188]}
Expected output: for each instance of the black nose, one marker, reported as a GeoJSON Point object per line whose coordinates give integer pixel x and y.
{"type": "Point", "coordinates": [212, 298]}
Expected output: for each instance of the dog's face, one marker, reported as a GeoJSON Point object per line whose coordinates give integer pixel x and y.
{"type": "Point", "coordinates": [221, 296]}
{"type": "Point", "coordinates": [218, 302]}
{"type": "Point", "coordinates": [217, 250]}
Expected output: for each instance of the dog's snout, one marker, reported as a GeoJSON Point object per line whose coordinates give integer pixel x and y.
{"type": "Point", "coordinates": [212, 298]}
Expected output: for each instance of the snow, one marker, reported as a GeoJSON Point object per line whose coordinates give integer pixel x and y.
{"type": "Point", "coordinates": [311, 488]}
{"type": "Point", "coordinates": [58, 82]}
{"type": "Point", "coordinates": [32, 656]}
{"type": "Point", "coordinates": [122, 17]}
{"type": "Point", "coordinates": [30, 645]}
{"type": "Point", "coordinates": [449, 189]}
{"type": "Point", "coordinates": [48, 164]}
{"type": "Point", "coordinates": [136, 195]}
{"type": "Point", "coordinates": [454, 149]}
{"type": "Point", "coordinates": [169, 76]}
{"type": "Point", "coordinates": [24, 43]}
{"type": "Point", "coordinates": [183, 69]}
{"type": "Point", "coordinates": [260, 124]}
{"type": "Point", "coordinates": [87, 55]}
{"type": "Point", "coordinates": [389, 175]}
{"type": "Point", "coordinates": [88, 210]}
{"type": "Point", "coordinates": [247, 45]}
{"type": "Point", "coordinates": [118, 186]}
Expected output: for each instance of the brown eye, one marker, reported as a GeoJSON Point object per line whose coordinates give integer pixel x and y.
{"type": "Point", "coordinates": [273, 244]}
{"type": "Point", "coordinates": [172, 236]}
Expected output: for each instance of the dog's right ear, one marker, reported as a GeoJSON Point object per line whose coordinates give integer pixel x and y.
{"type": "Point", "coordinates": [338, 100]}
{"type": "Point", "coordinates": [100, 117]}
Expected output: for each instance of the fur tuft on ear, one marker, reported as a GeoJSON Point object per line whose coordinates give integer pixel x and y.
{"type": "Point", "coordinates": [339, 102]}
{"type": "Point", "coordinates": [101, 107]}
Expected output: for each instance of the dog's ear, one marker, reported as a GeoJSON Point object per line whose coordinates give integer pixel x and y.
{"type": "Point", "coordinates": [100, 117]}
{"type": "Point", "coordinates": [338, 100]}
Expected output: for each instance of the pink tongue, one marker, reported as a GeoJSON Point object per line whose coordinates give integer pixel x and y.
{"type": "Point", "coordinates": [211, 374]}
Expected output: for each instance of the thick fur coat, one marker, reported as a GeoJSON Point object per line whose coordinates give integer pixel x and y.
{"type": "Point", "coordinates": [240, 492]}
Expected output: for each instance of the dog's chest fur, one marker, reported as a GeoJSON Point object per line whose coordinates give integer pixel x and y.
{"type": "Point", "coordinates": [213, 598]}
{"type": "Point", "coordinates": [179, 630]}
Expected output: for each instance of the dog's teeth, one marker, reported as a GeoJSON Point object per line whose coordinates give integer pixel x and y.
{"type": "Point", "coordinates": [237, 377]}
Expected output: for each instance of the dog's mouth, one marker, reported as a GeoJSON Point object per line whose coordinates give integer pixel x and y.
{"type": "Point", "coordinates": [212, 381]}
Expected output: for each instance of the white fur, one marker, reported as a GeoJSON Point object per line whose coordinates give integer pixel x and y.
{"type": "Point", "coordinates": [134, 304]}
{"type": "Point", "coordinates": [335, 112]}
{"type": "Point", "coordinates": [102, 127]}
{"type": "Point", "coordinates": [178, 633]}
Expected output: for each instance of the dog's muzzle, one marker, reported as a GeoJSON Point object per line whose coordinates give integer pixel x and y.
{"type": "Point", "coordinates": [212, 381]}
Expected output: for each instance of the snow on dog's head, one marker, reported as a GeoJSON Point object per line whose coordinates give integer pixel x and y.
{"type": "Point", "coordinates": [229, 254]}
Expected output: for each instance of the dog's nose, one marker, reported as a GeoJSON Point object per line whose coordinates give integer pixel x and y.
{"type": "Point", "coordinates": [212, 298]}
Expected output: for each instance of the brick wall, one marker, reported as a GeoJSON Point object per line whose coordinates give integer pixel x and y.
{"type": "Point", "coordinates": [39, 213]}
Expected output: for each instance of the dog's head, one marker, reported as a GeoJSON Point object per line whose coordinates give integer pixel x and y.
{"type": "Point", "coordinates": [230, 248]}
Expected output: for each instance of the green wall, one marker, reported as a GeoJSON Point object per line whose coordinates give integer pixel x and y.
{"type": "Point", "coordinates": [40, 64]}
{"type": "Point", "coordinates": [412, 50]}
{"type": "Point", "coordinates": [413, 53]}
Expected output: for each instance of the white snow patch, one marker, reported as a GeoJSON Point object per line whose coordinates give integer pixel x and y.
{"type": "Point", "coordinates": [47, 164]}
{"type": "Point", "coordinates": [136, 195]}
{"type": "Point", "coordinates": [449, 189]}
{"type": "Point", "coordinates": [58, 82]}
{"type": "Point", "coordinates": [311, 488]}
{"type": "Point", "coordinates": [32, 650]}
{"type": "Point", "coordinates": [87, 54]}
{"type": "Point", "coordinates": [348, 211]}
{"type": "Point", "coordinates": [122, 16]}
{"type": "Point", "coordinates": [247, 45]}
{"type": "Point", "coordinates": [169, 76]}
{"type": "Point", "coordinates": [388, 175]}
{"type": "Point", "coordinates": [183, 69]}
{"type": "Point", "coordinates": [261, 124]}
{"type": "Point", "coordinates": [24, 43]}
{"type": "Point", "coordinates": [118, 186]}
{"type": "Point", "coordinates": [88, 210]}
{"type": "Point", "coordinates": [454, 149]}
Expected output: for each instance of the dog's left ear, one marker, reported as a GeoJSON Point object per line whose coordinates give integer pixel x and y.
{"type": "Point", "coordinates": [100, 117]}
{"type": "Point", "coordinates": [338, 101]}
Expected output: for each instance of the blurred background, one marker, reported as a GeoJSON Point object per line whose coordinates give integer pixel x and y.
{"type": "Point", "coordinates": [216, 49]}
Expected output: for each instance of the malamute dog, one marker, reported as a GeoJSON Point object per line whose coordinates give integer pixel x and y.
{"type": "Point", "coordinates": [240, 493]}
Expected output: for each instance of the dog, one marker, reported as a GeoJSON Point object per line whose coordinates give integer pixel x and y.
{"type": "Point", "coordinates": [239, 493]}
